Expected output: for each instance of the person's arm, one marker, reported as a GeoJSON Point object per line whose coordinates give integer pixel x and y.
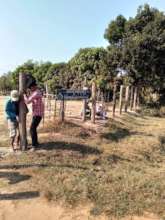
{"type": "Point", "coordinates": [29, 99]}
{"type": "Point", "coordinates": [8, 111]}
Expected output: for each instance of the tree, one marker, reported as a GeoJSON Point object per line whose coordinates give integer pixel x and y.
{"type": "Point", "coordinates": [116, 30]}
{"type": "Point", "coordinates": [40, 72]}
{"type": "Point", "coordinates": [6, 83]}
{"type": "Point", "coordinates": [55, 77]}
{"type": "Point", "coordinates": [142, 50]}
{"type": "Point", "coordinates": [90, 63]}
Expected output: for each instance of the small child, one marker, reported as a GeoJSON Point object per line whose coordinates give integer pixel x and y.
{"type": "Point", "coordinates": [12, 113]}
{"type": "Point", "coordinates": [100, 111]}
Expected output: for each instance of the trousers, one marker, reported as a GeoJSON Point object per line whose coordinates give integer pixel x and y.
{"type": "Point", "coordinates": [33, 130]}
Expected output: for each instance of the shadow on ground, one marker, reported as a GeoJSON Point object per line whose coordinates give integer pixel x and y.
{"type": "Point", "coordinates": [83, 149]}
{"type": "Point", "coordinates": [14, 177]}
{"type": "Point", "coordinates": [21, 166]}
{"type": "Point", "coordinates": [57, 126]}
{"type": "Point", "coordinates": [19, 195]}
{"type": "Point", "coordinates": [120, 133]}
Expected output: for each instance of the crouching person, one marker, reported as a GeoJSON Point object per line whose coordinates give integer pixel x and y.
{"type": "Point", "coordinates": [12, 114]}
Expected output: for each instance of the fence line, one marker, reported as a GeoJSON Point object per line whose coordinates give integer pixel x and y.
{"type": "Point", "coordinates": [125, 98]}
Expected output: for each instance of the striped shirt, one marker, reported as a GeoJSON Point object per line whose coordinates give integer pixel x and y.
{"type": "Point", "coordinates": [37, 104]}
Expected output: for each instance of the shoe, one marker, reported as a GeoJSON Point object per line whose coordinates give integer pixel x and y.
{"type": "Point", "coordinates": [12, 150]}
{"type": "Point", "coordinates": [32, 149]}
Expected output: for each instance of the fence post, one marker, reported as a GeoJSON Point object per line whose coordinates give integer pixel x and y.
{"type": "Point", "coordinates": [131, 97]}
{"type": "Point", "coordinates": [114, 100]}
{"type": "Point", "coordinates": [50, 107]}
{"type": "Point", "coordinates": [93, 102]}
{"type": "Point", "coordinates": [22, 112]}
{"type": "Point", "coordinates": [126, 98]}
{"type": "Point", "coordinates": [43, 119]}
{"type": "Point", "coordinates": [62, 110]}
{"type": "Point", "coordinates": [138, 99]}
{"type": "Point", "coordinates": [84, 110]}
{"type": "Point", "coordinates": [84, 102]}
{"type": "Point", "coordinates": [135, 98]}
{"type": "Point", "coordinates": [55, 107]}
{"type": "Point", "coordinates": [121, 99]}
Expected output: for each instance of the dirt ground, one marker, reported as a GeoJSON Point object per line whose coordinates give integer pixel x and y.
{"type": "Point", "coordinates": [19, 199]}
{"type": "Point", "coordinates": [40, 209]}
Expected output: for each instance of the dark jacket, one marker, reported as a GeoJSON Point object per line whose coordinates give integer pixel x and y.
{"type": "Point", "coordinates": [12, 110]}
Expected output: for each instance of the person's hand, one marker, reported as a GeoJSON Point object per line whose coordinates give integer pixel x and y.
{"type": "Point", "coordinates": [25, 96]}
{"type": "Point", "coordinates": [28, 92]}
{"type": "Point", "coordinates": [17, 118]}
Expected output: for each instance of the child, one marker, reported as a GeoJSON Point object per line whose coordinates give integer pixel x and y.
{"type": "Point", "coordinates": [12, 113]}
{"type": "Point", "coordinates": [100, 111]}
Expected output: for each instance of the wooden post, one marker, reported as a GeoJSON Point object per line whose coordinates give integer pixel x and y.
{"type": "Point", "coordinates": [22, 112]}
{"type": "Point", "coordinates": [121, 99]}
{"type": "Point", "coordinates": [84, 102]}
{"type": "Point", "coordinates": [46, 88]}
{"type": "Point", "coordinates": [84, 110]}
{"type": "Point", "coordinates": [50, 107]}
{"type": "Point", "coordinates": [43, 119]}
{"type": "Point", "coordinates": [131, 97]}
{"type": "Point", "coordinates": [126, 98]}
{"type": "Point", "coordinates": [55, 107]}
{"type": "Point", "coordinates": [98, 94]}
{"type": "Point", "coordinates": [93, 102]}
{"type": "Point", "coordinates": [138, 99]}
{"type": "Point", "coordinates": [114, 100]}
{"type": "Point", "coordinates": [135, 99]}
{"type": "Point", "coordinates": [62, 111]}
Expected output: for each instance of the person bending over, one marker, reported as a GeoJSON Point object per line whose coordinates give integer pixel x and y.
{"type": "Point", "coordinates": [12, 114]}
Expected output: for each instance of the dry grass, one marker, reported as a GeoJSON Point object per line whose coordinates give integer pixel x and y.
{"type": "Point", "coordinates": [120, 171]}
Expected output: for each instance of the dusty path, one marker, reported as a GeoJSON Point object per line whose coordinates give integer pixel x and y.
{"type": "Point", "coordinates": [42, 210]}
{"type": "Point", "coordinates": [39, 209]}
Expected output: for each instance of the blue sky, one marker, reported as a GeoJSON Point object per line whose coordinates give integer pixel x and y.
{"type": "Point", "coordinates": [54, 30]}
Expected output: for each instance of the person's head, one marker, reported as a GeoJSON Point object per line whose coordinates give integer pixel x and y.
{"type": "Point", "coordinates": [32, 86]}
{"type": "Point", "coordinates": [14, 96]}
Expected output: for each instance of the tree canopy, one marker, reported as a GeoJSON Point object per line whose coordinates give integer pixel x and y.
{"type": "Point", "coordinates": [136, 47]}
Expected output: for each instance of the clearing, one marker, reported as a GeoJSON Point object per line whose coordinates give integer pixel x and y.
{"type": "Point", "coordinates": [83, 172]}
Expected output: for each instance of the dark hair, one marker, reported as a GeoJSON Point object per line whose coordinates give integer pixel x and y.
{"type": "Point", "coordinates": [30, 81]}
{"type": "Point", "coordinates": [31, 84]}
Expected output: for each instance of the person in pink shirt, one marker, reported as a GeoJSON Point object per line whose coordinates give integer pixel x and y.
{"type": "Point", "coordinates": [37, 111]}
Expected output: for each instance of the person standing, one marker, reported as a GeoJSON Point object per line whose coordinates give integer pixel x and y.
{"type": "Point", "coordinates": [37, 111]}
{"type": "Point", "coordinates": [12, 115]}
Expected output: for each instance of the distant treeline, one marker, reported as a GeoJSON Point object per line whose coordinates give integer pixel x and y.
{"type": "Point", "coordinates": [135, 56]}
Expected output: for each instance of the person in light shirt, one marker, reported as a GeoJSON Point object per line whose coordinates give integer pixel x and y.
{"type": "Point", "coordinates": [37, 111]}
{"type": "Point", "coordinates": [100, 111]}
